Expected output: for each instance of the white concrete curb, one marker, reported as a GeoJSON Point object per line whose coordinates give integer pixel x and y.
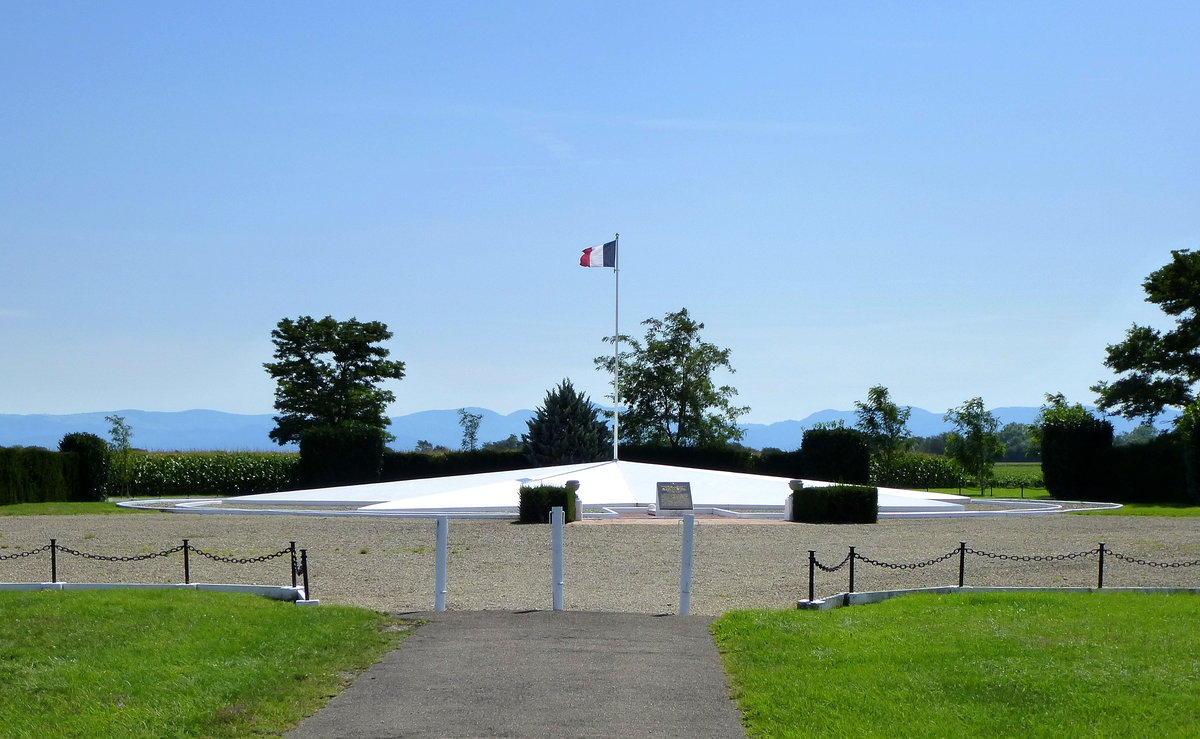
{"type": "Point", "coordinates": [841, 600]}
{"type": "Point", "coordinates": [276, 592]}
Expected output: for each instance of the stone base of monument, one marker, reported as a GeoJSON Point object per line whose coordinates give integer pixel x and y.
{"type": "Point", "coordinates": [676, 512]}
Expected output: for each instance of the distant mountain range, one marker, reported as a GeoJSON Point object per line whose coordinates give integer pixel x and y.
{"type": "Point", "coordinates": [215, 430]}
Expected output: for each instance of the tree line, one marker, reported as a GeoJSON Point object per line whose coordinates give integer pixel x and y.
{"type": "Point", "coordinates": [328, 375]}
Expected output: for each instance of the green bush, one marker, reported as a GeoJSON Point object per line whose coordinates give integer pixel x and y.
{"type": "Point", "coordinates": [92, 464]}
{"type": "Point", "coordinates": [420, 465]}
{"type": "Point", "coordinates": [778, 463]}
{"type": "Point", "coordinates": [915, 471]}
{"type": "Point", "coordinates": [340, 455]}
{"type": "Point", "coordinates": [1189, 429]}
{"type": "Point", "coordinates": [835, 455]}
{"type": "Point", "coordinates": [195, 474]}
{"type": "Point", "coordinates": [836, 504]}
{"type": "Point", "coordinates": [726, 458]}
{"type": "Point", "coordinates": [36, 475]}
{"type": "Point", "coordinates": [1075, 453]}
{"type": "Point", "coordinates": [1153, 472]}
{"type": "Point", "coordinates": [537, 500]}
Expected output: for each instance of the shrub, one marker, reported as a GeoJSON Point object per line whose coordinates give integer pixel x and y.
{"type": "Point", "coordinates": [419, 465]}
{"type": "Point", "coordinates": [92, 464]}
{"type": "Point", "coordinates": [1153, 472]}
{"type": "Point", "coordinates": [836, 504]}
{"type": "Point", "coordinates": [726, 458]}
{"type": "Point", "coordinates": [1189, 429]}
{"type": "Point", "coordinates": [36, 475]}
{"type": "Point", "coordinates": [340, 455]}
{"type": "Point", "coordinates": [838, 455]}
{"type": "Point", "coordinates": [913, 470]}
{"type": "Point", "coordinates": [1074, 455]}
{"type": "Point", "coordinates": [537, 500]}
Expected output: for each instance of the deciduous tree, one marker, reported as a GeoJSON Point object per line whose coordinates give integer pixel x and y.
{"type": "Point", "coordinates": [974, 443]}
{"type": "Point", "coordinates": [470, 426]}
{"type": "Point", "coordinates": [667, 388]}
{"type": "Point", "coordinates": [1157, 369]}
{"type": "Point", "coordinates": [884, 423]}
{"type": "Point", "coordinates": [327, 373]}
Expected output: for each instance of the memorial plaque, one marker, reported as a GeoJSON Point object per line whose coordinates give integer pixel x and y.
{"type": "Point", "coordinates": [674, 496]}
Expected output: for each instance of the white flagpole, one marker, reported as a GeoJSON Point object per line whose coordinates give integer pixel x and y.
{"type": "Point", "coordinates": [616, 342]}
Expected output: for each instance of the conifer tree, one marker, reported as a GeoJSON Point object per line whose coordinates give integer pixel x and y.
{"type": "Point", "coordinates": [565, 430]}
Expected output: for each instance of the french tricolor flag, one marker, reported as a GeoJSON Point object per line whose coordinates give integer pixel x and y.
{"type": "Point", "coordinates": [604, 255]}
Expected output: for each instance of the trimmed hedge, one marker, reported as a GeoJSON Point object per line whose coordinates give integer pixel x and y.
{"type": "Point", "coordinates": [340, 455]}
{"type": "Point", "coordinates": [419, 465]}
{"type": "Point", "coordinates": [836, 504]}
{"type": "Point", "coordinates": [92, 464]}
{"type": "Point", "coordinates": [1154, 472]}
{"type": "Point", "coordinates": [1079, 462]}
{"type": "Point", "coordinates": [36, 475]}
{"type": "Point", "coordinates": [725, 458]}
{"type": "Point", "coordinates": [835, 455]}
{"type": "Point", "coordinates": [1075, 457]}
{"type": "Point", "coordinates": [915, 471]}
{"type": "Point", "coordinates": [537, 500]}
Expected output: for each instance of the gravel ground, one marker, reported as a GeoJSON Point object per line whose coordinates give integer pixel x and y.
{"type": "Point", "coordinates": [387, 564]}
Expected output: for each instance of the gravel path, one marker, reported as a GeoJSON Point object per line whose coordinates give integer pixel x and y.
{"type": "Point", "coordinates": [387, 564]}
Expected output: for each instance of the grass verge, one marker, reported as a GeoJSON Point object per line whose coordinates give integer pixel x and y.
{"type": "Point", "coordinates": [60, 508]}
{"type": "Point", "coordinates": [1148, 509]}
{"type": "Point", "coordinates": [175, 663]}
{"type": "Point", "coordinates": [988, 665]}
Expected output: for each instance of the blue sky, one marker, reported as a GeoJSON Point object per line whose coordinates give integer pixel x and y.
{"type": "Point", "coordinates": [951, 199]}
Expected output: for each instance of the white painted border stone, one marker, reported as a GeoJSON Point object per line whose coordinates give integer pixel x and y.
{"type": "Point", "coordinates": [841, 600]}
{"type": "Point", "coordinates": [276, 592]}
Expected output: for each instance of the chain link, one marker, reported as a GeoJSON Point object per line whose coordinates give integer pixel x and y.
{"type": "Point", "coordinates": [105, 558]}
{"type": "Point", "coordinates": [18, 555]}
{"type": "Point", "coordinates": [1035, 557]}
{"type": "Point", "coordinates": [239, 561]}
{"type": "Point", "coordinates": [913, 566]}
{"type": "Point", "coordinates": [836, 567]}
{"type": "Point", "coordinates": [164, 553]}
{"type": "Point", "coordinates": [1147, 563]}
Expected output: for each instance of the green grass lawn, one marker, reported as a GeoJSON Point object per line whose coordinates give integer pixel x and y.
{"type": "Point", "coordinates": [962, 665]}
{"type": "Point", "coordinates": [1148, 509]}
{"type": "Point", "coordinates": [64, 509]}
{"type": "Point", "coordinates": [174, 663]}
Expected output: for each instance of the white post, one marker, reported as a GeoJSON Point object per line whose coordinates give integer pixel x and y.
{"type": "Point", "coordinates": [685, 567]}
{"type": "Point", "coordinates": [439, 588]}
{"type": "Point", "coordinates": [556, 546]}
{"type": "Point", "coordinates": [616, 342]}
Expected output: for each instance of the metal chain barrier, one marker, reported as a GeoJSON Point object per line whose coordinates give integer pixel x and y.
{"type": "Point", "coordinates": [1037, 557]}
{"type": "Point", "coordinates": [31, 552]}
{"type": "Point", "coordinates": [236, 560]}
{"type": "Point", "coordinates": [836, 567]}
{"type": "Point", "coordinates": [1147, 563]}
{"type": "Point", "coordinates": [963, 550]}
{"type": "Point", "coordinates": [298, 565]}
{"type": "Point", "coordinates": [913, 566]}
{"type": "Point", "coordinates": [131, 558]}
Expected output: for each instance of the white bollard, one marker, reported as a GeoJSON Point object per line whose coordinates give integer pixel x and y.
{"type": "Point", "coordinates": [556, 546]}
{"type": "Point", "coordinates": [439, 588]}
{"type": "Point", "coordinates": [685, 566]}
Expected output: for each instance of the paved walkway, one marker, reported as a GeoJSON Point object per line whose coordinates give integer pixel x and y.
{"type": "Point", "coordinates": [539, 674]}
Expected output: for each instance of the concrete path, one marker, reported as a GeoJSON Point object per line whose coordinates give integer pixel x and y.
{"type": "Point", "coordinates": [539, 674]}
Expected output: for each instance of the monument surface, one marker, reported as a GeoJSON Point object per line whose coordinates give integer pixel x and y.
{"type": "Point", "coordinates": [612, 486]}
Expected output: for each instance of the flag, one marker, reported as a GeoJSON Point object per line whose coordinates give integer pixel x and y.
{"type": "Point", "coordinates": [604, 255]}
